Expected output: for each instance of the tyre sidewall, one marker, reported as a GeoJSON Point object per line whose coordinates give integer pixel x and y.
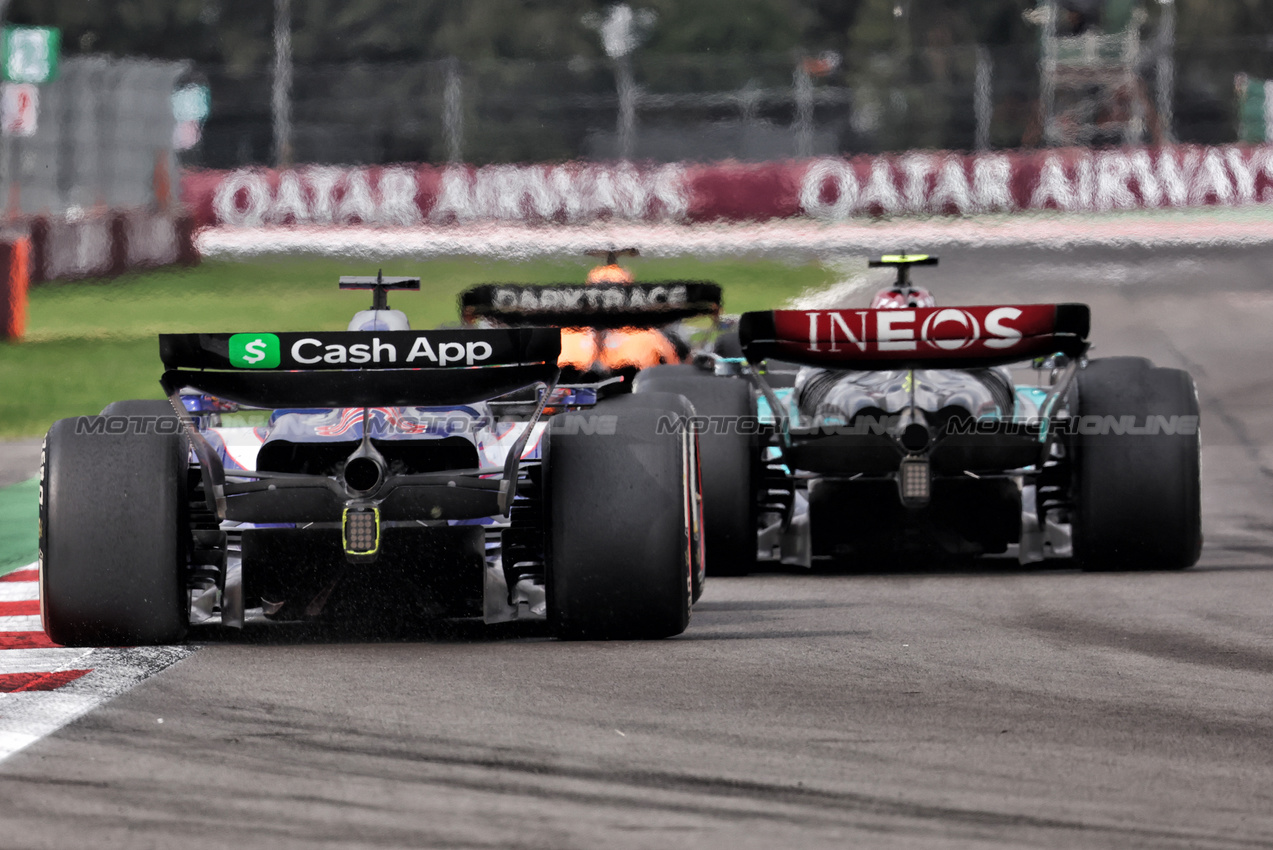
{"type": "Point", "coordinates": [619, 538]}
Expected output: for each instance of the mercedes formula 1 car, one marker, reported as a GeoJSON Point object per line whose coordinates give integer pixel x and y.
{"type": "Point", "coordinates": [447, 471]}
{"type": "Point", "coordinates": [898, 431]}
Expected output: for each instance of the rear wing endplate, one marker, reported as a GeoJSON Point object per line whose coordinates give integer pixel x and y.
{"type": "Point", "coordinates": [929, 337]}
{"type": "Point", "coordinates": [598, 305]}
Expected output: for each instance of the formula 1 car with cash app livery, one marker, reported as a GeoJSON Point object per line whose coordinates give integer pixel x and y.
{"type": "Point", "coordinates": [448, 473]}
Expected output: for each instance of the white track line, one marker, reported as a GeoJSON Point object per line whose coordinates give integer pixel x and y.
{"type": "Point", "coordinates": [28, 716]}
{"type": "Point", "coordinates": [787, 237]}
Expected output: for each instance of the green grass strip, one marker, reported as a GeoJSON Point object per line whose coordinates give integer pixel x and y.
{"type": "Point", "coordinates": [19, 524]}
{"type": "Point", "coordinates": [92, 342]}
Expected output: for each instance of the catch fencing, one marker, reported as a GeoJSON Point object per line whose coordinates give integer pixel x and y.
{"type": "Point", "coordinates": [705, 107]}
{"type": "Point", "coordinates": [96, 186]}
{"type": "Point", "coordinates": [104, 139]}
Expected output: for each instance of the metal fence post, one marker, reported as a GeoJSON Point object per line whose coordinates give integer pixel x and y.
{"type": "Point", "coordinates": [6, 153]}
{"type": "Point", "coordinates": [627, 105]}
{"type": "Point", "coordinates": [1166, 70]}
{"type": "Point", "coordinates": [281, 101]}
{"type": "Point", "coordinates": [982, 96]}
{"type": "Point", "coordinates": [1047, 76]}
{"type": "Point", "coordinates": [621, 30]}
{"type": "Point", "coordinates": [803, 94]}
{"type": "Point", "coordinates": [453, 111]}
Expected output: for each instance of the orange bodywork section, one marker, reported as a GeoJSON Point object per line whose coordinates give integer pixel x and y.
{"type": "Point", "coordinates": [578, 348]}
{"type": "Point", "coordinates": [613, 273]}
{"type": "Point", "coordinates": [585, 348]}
{"type": "Point", "coordinates": [639, 348]}
{"type": "Point", "coordinates": [589, 348]}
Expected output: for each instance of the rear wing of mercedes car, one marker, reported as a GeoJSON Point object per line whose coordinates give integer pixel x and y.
{"type": "Point", "coordinates": [617, 305]}
{"type": "Point", "coordinates": [917, 338]}
{"type": "Point", "coordinates": [921, 337]}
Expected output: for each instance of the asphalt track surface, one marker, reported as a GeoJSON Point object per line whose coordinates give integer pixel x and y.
{"type": "Point", "coordinates": [1001, 707]}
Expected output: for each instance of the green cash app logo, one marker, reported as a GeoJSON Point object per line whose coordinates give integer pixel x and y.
{"type": "Point", "coordinates": [254, 351]}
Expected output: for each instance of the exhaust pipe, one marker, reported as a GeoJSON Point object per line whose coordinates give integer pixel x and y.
{"type": "Point", "coordinates": [912, 431]}
{"type": "Point", "coordinates": [914, 437]}
{"type": "Point", "coordinates": [364, 470]}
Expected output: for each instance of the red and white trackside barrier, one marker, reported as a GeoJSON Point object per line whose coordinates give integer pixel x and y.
{"type": "Point", "coordinates": [826, 189]}
{"type": "Point", "coordinates": [69, 247]}
{"type": "Point", "coordinates": [109, 243]}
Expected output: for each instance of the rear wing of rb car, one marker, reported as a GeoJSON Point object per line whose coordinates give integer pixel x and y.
{"type": "Point", "coordinates": [356, 369]}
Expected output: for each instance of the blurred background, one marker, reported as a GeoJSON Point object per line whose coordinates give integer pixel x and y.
{"type": "Point", "coordinates": [385, 81]}
{"type": "Point", "coordinates": [163, 152]}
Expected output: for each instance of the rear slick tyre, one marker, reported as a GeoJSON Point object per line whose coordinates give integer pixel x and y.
{"type": "Point", "coordinates": [619, 491]}
{"type": "Point", "coordinates": [113, 535]}
{"type": "Point", "coordinates": [140, 407]}
{"type": "Point", "coordinates": [730, 459]}
{"type": "Point", "coordinates": [1136, 497]}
